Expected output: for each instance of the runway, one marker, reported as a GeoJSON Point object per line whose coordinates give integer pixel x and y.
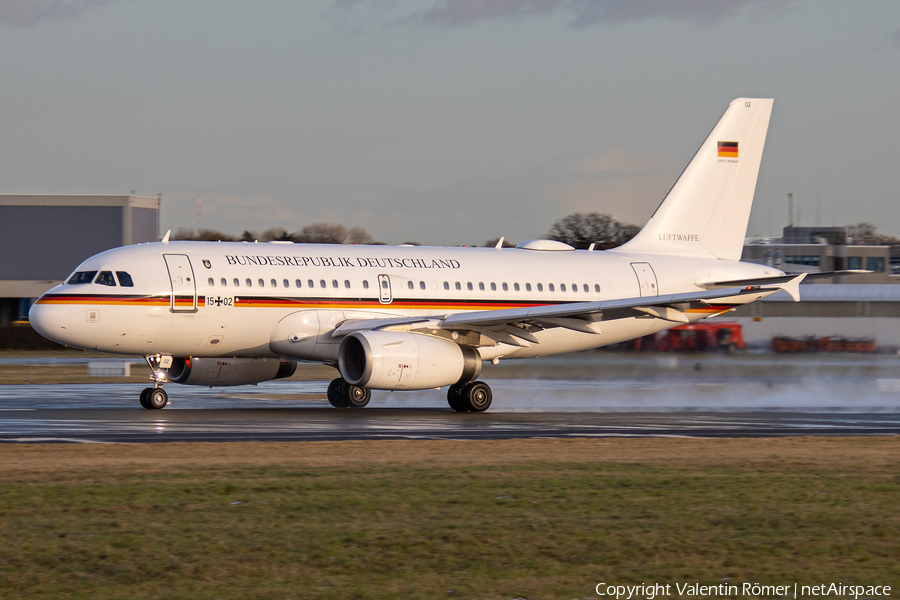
{"type": "Point", "coordinates": [609, 396]}
{"type": "Point", "coordinates": [321, 424]}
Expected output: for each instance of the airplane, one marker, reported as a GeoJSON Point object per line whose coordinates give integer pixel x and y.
{"type": "Point", "coordinates": [411, 317]}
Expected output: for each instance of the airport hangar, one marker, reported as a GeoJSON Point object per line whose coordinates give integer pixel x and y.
{"type": "Point", "coordinates": [44, 237]}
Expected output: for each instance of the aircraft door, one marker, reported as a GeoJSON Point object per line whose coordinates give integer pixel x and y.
{"type": "Point", "coordinates": [184, 287]}
{"type": "Point", "coordinates": [384, 289]}
{"type": "Point", "coordinates": [646, 278]}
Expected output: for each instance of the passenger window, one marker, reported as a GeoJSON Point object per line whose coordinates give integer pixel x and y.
{"type": "Point", "coordinates": [81, 277]}
{"type": "Point", "coordinates": [211, 282]}
{"type": "Point", "coordinates": [275, 283]}
{"type": "Point", "coordinates": [249, 282]}
{"type": "Point", "coordinates": [384, 283]}
{"type": "Point", "coordinates": [334, 283]}
{"type": "Point", "coordinates": [516, 286]}
{"type": "Point", "coordinates": [298, 283]}
{"type": "Point", "coordinates": [458, 286]}
{"type": "Point", "coordinates": [124, 279]}
{"type": "Point", "coordinates": [237, 282]}
{"type": "Point", "coordinates": [481, 285]}
{"type": "Point", "coordinates": [446, 285]}
{"type": "Point", "coordinates": [505, 287]}
{"type": "Point", "coordinates": [469, 286]}
{"type": "Point", "coordinates": [550, 287]}
{"type": "Point", "coordinates": [106, 278]}
{"type": "Point", "coordinates": [224, 282]}
{"type": "Point", "coordinates": [409, 284]}
{"type": "Point", "coordinates": [597, 287]}
{"type": "Point", "coordinates": [421, 285]}
{"type": "Point", "coordinates": [586, 288]}
{"type": "Point", "coordinates": [322, 283]}
{"type": "Point", "coordinates": [286, 283]}
{"type": "Point", "coordinates": [347, 283]}
{"type": "Point", "coordinates": [527, 287]}
{"type": "Point", "coordinates": [562, 287]}
{"type": "Point", "coordinates": [310, 283]}
{"type": "Point", "coordinates": [540, 287]}
{"type": "Point", "coordinates": [365, 284]}
{"type": "Point", "coordinates": [493, 287]}
{"type": "Point", "coordinates": [262, 282]}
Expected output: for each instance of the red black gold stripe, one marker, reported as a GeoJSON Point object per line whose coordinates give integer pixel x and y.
{"type": "Point", "coordinates": [728, 149]}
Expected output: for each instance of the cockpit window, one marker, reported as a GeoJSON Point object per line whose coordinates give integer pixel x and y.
{"type": "Point", "coordinates": [124, 279]}
{"type": "Point", "coordinates": [105, 278]}
{"type": "Point", "coordinates": [81, 277]}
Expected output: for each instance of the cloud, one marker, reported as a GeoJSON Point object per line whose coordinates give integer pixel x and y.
{"type": "Point", "coordinates": [582, 13]}
{"type": "Point", "coordinates": [25, 13]}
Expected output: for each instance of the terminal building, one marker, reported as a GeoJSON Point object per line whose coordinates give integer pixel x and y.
{"type": "Point", "coordinates": [44, 237]}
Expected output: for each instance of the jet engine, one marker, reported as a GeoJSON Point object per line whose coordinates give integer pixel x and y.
{"type": "Point", "coordinates": [228, 371]}
{"type": "Point", "coordinates": [390, 360]}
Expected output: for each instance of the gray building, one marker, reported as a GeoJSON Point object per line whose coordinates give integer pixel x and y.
{"type": "Point", "coordinates": [44, 237]}
{"type": "Point", "coordinates": [818, 249]}
{"type": "Point", "coordinates": [849, 310]}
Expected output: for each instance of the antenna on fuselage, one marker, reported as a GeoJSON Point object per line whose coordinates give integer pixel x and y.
{"type": "Point", "coordinates": [499, 243]}
{"type": "Point", "coordinates": [165, 239]}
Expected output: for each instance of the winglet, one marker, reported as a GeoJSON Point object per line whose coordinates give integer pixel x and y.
{"type": "Point", "coordinates": [792, 287]}
{"type": "Point", "coordinates": [165, 239]}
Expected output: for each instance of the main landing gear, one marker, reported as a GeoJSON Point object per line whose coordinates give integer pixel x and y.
{"type": "Point", "coordinates": [474, 396]}
{"type": "Point", "coordinates": [155, 398]}
{"type": "Point", "coordinates": [344, 395]}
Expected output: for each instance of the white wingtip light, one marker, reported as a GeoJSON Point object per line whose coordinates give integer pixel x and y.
{"type": "Point", "coordinates": [165, 239]}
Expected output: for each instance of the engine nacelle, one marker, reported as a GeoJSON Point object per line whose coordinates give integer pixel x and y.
{"type": "Point", "coordinates": [389, 360]}
{"type": "Point", "coordinates": [228, 371]}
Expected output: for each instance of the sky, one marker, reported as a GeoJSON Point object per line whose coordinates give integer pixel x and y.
{"type": "Point", "coordinates": [445, 121]}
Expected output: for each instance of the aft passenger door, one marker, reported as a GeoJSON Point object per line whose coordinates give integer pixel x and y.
{"type": "Point", "coordinates": [646, 278]}
{"type": "Point", "coordinates": [384, 289]}
{"type": "Point", "coordinates": [184, 287]}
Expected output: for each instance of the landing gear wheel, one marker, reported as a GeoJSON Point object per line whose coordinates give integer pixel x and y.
{"type": "Point", "coordinates": [336, 393]}
{"type": "Point", "coordinates": [355, 396]}
{"type": "Point", "coordinates": [477, 396]}
{"type": "Point", "coordinates": [455, 397]}
{"type": "Point", "coordinates": [145, 393]}
{"type": "Point", "coordinates": [157, 398]}
{"type": "Point", "coordinates": [344, 395]}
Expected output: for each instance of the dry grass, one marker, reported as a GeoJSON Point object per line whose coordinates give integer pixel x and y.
{"type": "Point", "coordinates": [408, 519]}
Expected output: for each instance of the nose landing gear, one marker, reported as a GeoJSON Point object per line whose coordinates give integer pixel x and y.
{"type": "Point", "coordinates": [155, 398]}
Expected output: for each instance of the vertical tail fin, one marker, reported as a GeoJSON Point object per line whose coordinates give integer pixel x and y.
{"type": "Point", "coordinates": [706, 212]}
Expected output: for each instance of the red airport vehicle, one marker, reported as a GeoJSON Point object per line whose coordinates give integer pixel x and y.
{"type": "Point", "coordinates": [724, 336]}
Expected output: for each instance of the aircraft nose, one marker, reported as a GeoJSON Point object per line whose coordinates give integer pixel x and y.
{"type": "Point", "coordinates": [50, 320]}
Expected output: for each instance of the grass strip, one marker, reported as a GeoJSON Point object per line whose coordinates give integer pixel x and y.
{"type": "Point", "coordinates": [493, 519]}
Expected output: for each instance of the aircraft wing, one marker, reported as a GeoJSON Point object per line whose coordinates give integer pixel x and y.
{"type": "Point", "coordinates": [515, 325]}
{"type": "Point", "coordinates": [779, 279]}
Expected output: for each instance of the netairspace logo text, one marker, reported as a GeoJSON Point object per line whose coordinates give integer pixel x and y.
{"type": "Point", "coordinates": [649, 591]}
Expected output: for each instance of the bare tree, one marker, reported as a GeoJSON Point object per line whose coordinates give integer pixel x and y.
{"type": "Point", "coordinates": [331, 233]}
{"type": "Point", "coordinates": [580, 230]}
{"type": "Point", "coordinates": [206, 235]}
{"type": "Point", "coordinates": [276, 234]}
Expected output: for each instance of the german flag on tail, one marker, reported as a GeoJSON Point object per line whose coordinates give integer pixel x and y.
{"type": "Point", "coordinates": [728, 149]}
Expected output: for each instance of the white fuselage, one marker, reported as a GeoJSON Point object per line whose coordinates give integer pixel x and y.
{"type": "Point", "coordinates": [215, 299]}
